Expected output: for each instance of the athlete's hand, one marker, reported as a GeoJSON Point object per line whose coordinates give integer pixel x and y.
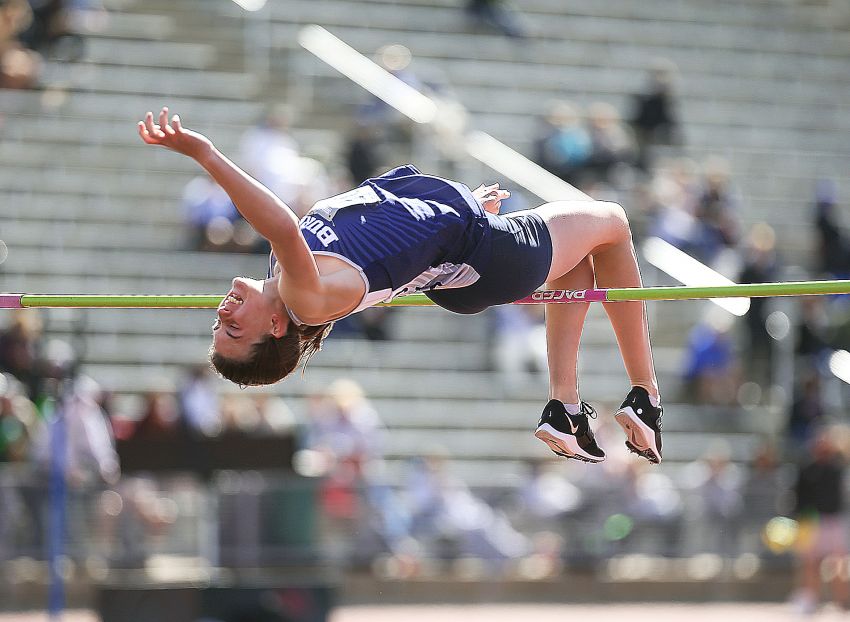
{"type": "Point", "coordinates": [490, 197]}
{"type": "Point", "coordinates": [172, 135]}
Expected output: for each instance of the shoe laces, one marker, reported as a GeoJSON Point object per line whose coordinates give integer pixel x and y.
{"type": "Point", "coordinates": [587, 410]}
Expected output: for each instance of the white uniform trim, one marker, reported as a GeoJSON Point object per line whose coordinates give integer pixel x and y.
{"type": "Point", "coordinates": [444, 276]}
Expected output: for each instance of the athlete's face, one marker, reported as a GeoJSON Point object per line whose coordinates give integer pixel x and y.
{"type": "Point", "coordinates": [250, 311]}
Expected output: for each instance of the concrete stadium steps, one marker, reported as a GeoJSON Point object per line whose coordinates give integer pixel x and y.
{"type": "Point", "coordinates": [165, 54]}
{"type": "Point", "coordinates": [496, 444]}
{"type": "Point", "coordinates": [411, 326]}
{"type": "Point", "coordinates": [399, 21]}
{"type": "Point", "coordinates": [124, 106]}
{"type": "Point", "coordinates": [87, 208]}
{"type": "Point", "coordinates": [722, 12]}
{"type": "Point", "coordinates": [147, 81]}
{"type": "Point", "coordinates": [176, 265]}
{"type": "Point", "coordinates": [339, 353]}
{"type": "Point", "coordinates": [71, 233]}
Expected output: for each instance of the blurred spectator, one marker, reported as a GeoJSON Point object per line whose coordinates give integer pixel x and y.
{"type": "Point", "coordinates": [711, 370]}
{"type": "Point", "coordinates": [160, 417]}
{"type": "Point", "coordinates": [454, 523]}
{"type": "Point", "coordinates": [821, 540]}
{"type": "Point", "coordinates": [344, 424]}
{"type": "Point", "coordinates": [519, 342]}
{"type": "Point", "coordinates": [19, 67]}
{"type": "Point", "coordinates": [807, 409]}
{"type": "Point", "coordinates": [653, 115]}
{"type": "Point", "coordinates": [761, 265]}
{"type": "Point", "coordinates": [21, 345]}
{"type": "Point", "coordinates": [671, 205]}
{"type": "Point", "coordinates": [210, 214]}
{"type": "Point", "coordinates": [389, 128]}
{"type": "Point", "coordinates": [19, 421]}
{"type": "Point", "coordinates": [270, 154]}
{"type": "Point", "coordinates": [612, 144]}
{"type": "Point", "coordinates": [363, 153]}
{"type": "Point", "coordinates": [717, 210]}
{"type": "Point", "coordinates": [546, 494]}
{"type": "Point", "coordinates": [764, 493]}
{"type": "Point", "coordinates": [90, 456]}
{"type": "Point", "coordinates": [654, 506]}
{"type": "Point", "coordinates": [133, 517]}
{"type": "Point", "coordinates": [718, 483]}
{"type": "Point", "coordinates": [563, 144]}
{"type": "Point", "coordinates": [496, 15]}
{"type": "Point", "coordinates": [198, 401]}
{"type": "Point", "coordinates": [50, 30]}
{"type": "Point", "coordinates": [814, 332]}
{"type": "Point", "coordinates": [832, 248]}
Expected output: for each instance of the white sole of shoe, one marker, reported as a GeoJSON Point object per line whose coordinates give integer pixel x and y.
{"type": "Point", "coordinates": [638, 433]}
{"type": "Point", "coordinates": [564, 444]}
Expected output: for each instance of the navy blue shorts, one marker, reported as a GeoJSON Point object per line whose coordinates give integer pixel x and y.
{"type": "Point", "coordinates": [520, 258]}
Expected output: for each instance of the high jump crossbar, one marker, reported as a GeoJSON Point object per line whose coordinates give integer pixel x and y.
{"type": "Point", "coordinates": [625, 294]}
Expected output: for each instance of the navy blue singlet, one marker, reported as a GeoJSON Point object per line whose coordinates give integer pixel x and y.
{"type": "Point", "coordinates": [407, 232]}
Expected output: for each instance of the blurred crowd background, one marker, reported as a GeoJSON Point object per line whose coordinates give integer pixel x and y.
{"type": "Point", "coordinates": [405, 452]}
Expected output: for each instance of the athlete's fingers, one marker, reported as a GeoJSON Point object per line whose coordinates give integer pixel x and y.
{"type": "Point", "coordinates": [146, 136]}
{"type": "Point", "coordinates": [175, 123]}
{"type": "Point", "coordinates": [163, 122]}
{"type": "Point", "coordinates": [153, 129]}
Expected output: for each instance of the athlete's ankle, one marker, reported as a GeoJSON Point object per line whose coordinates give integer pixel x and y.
{"type": "Point", "coordinates": [651, 389]}
{"type": "Point", "coordinates": [565, 397]}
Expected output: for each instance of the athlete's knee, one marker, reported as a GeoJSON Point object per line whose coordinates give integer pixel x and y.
{"type": "Point", "coordinates": [617, 220]}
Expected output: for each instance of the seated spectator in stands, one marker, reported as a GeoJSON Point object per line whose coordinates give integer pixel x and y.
{"type": "Point", "coordinates": [19, 421]}
{"type": "Point", "coordinates": [822, 538]}
{"type": "Point", "coordinates": [50, 30]}
{"type": "Point", "coordinates": [808, 412]}
{"type": "Point", "coordinates": [363, 153]}
{"type": "Point", "coordinates": [519, 342]}
{"type": "Point", "coordinates": [717, 210]}
{"type": "Point", "coordinates": [650, 499]}
{"type": "Point", "coordinates": [270, 154]}
{"type": "Point", "coordinates": [670, 205]}
{"type": "Point", "coordinates": [815, 333]}
{"type": "Point", "coordinates": [718, 483]}
{"type": "Point", "coordinates": [199, 404]}
{"type": "Point", "coordinates": [546, 494]}
{"type": "Point", "coordinates": [563, 145]}
{"type": "Point", "coordinates": [711, 370]}
{"type": "Point", "coordinates": [497, 15]}
{"type": "Point", "coordinates": [160, 418]}
{"type": "Point", "coordinates": [344, 424]}
{"type": "Point", "coordinates": [761, 265]}
{"type": "Point", "coordinates": [391, 129]}
{"type": "Point", "coordinates": [653, 116]}
{"type": "Point", "coordinates": [612, 144]}
{"type": "Point", "coordinates": [832, 248]}
{"type": "Point", "coordinates": [90, 456]}
{"type": "Point", "coordinates": [19, 67]}
{"type": "Point", "coordinates": [210, 214]}
{"type": "Point", "coordinates": [21, 345]}
{"type": "Point", "coordinates": [452, 522]}
{"type": "Point", "coordinates": [763, 494]}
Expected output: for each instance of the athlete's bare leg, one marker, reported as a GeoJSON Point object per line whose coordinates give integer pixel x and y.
{"type": "Point", "coordinates": [601, 230]}
{"type": "Point", "coordinates": [564, 324]}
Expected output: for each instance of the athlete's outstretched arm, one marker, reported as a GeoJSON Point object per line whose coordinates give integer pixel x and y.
{"type": "Point", "coordinates": [266, 213]}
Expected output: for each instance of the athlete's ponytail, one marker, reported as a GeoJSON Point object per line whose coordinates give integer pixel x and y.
{"type": "Point", "coordinates": [272, 358]}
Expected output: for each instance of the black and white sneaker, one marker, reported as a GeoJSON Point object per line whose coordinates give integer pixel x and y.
{"type": "Point", "coordinates": [641, 421]}
{"type": "Point", "coordinates": [568, 435]}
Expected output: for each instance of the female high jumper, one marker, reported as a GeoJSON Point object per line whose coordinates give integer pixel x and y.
{"type": "Point", "coordinates": [406, 232]}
